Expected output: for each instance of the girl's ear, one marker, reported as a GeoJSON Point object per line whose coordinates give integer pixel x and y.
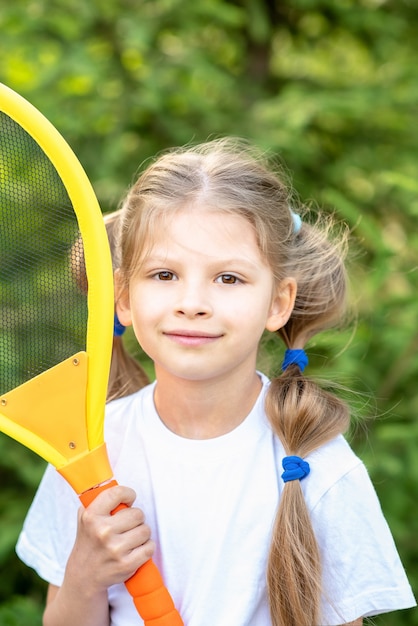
{"type": "Point", "coordinates": [122, 302]}
{"type": "Point", "coordinates": [282, 304]}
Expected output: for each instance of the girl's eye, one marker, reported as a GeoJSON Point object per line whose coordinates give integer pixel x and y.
{"type": "Point", "coordinates": [228, 279]}
{"type": "Point", "coordinates": [164, 275]}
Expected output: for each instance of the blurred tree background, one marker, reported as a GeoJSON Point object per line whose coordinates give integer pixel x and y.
{"type": "Point", "coordinates": [332, 89]}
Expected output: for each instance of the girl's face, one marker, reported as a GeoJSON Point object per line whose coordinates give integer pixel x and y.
{"type": "Point", "coordinates": [203, 296]}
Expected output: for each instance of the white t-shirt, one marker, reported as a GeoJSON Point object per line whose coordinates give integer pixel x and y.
{"type": "Point", "coordinates": [211, 505]}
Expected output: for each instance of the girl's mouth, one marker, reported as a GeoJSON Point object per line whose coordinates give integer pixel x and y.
{"type": "Point", "coordinates": [191, 338]}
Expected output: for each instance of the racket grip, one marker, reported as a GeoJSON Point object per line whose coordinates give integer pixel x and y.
{"type": "Point", "coordinates": [151, 598]}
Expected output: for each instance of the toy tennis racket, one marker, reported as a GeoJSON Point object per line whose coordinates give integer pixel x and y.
{"type": "Point", "coordinates": [56, 340]}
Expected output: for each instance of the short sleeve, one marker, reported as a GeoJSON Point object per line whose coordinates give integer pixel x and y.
{"type": "Point", "coordinates": [362, 572]}
{"type": "Point", "coordinates": [49, 530]}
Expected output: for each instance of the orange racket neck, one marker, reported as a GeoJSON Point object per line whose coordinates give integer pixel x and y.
{"type": "Point", "coordinates": [89, 469]}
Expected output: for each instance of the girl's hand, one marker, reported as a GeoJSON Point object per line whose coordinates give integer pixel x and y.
{"type": "Point", "coordinates": [109, 548]}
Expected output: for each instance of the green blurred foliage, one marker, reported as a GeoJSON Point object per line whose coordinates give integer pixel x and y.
{"type": "Point", "coordinates": [332, 88]}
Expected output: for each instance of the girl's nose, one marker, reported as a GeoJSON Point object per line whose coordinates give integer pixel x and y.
{"type": "Point", "coordinates": [193, 302]}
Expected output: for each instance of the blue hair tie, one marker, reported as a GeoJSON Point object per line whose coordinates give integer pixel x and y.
{"type": "Point", "coordinates": [118, 328]}
{"type": "Point", "coordinates": [295, 468]}
{"type": "Point", "coordinates": [295, 357]}
{"type": "Point", "coordinates": [297, 222]}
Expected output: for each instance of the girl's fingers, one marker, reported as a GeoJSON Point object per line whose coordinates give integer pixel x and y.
{"type": "Point", "coordinates": [118, 539]}
{"type": "Point", "coordinates": [124, 529]}
{"type": "Point", "coordinates": [109, 499]}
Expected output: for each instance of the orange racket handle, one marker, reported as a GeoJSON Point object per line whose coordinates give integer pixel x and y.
{"type": "Point", "coordinates": [152, 600]}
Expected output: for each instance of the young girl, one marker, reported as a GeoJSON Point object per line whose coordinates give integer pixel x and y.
{"type": "Point", "coordinates": [257, 511]}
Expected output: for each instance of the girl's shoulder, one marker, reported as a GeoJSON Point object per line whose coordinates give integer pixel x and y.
{"type": "Point", "coordinates": [334, 467]}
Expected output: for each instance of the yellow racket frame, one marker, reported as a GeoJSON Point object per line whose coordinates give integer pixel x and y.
{"type": "Point", "coordinates": [60, 413]}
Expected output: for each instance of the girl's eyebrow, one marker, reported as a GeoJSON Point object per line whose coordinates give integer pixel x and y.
{"type": "Point", "coordinates": [236, 262]}
{"type": "Point", "coordinates": [150, 259]}
{"type": "Point", "coordinates": [215, 262]}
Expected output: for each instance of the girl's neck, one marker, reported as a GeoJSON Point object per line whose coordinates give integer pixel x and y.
{"type": "Point", "coordinates": [208, 409]}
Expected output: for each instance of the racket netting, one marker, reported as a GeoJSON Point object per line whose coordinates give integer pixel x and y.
{"type": "Point", "coordinates": [43, 311]}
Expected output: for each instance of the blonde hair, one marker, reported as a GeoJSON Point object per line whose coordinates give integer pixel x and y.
{"type": "Point", "coordinates": [231, 176]}
{"type": "Point", "coordinates": [126, 374]}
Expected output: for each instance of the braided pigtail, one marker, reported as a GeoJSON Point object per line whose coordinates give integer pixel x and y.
{"type": "Point", "coordinates": [304, 417]}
